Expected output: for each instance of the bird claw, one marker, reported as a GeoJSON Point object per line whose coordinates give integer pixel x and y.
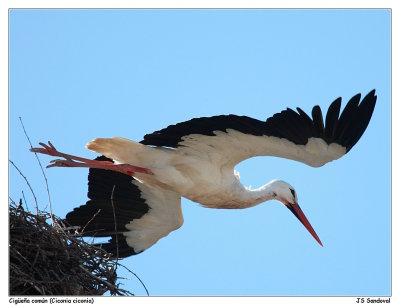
{"type": "Point", "coordinates": [61, 163]}
{"type": "Point", "coordinates": [47, 149]}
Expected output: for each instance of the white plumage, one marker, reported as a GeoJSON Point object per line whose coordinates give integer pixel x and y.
{"type": "Point", "coordinates": [164, 216]}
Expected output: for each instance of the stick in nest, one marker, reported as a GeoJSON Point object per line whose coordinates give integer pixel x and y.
{"type": "Point", "coordinates": [41, 167]}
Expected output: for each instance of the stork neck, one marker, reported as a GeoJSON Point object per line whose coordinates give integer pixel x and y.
{"type": "Point", "coordinates": [259, 195]}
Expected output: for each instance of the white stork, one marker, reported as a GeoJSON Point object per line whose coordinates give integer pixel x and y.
{"type": "Point", "coordinates": [135, 189]}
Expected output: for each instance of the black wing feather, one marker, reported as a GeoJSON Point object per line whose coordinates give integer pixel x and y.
{"type": "Point", "coordinates": [96, 217]}
{"type": "Point", "coordinates": [293, 121]}
{"type": "Point", "coordinates": [318, 121]}
{"type": "Point", "coordinates": [307, 125]}
{"type": "Point", "coordinates": [332, 118]}
{"type": "Point", "coordinates": [365, 110]}
{"type": "Point", "coordinates": [344, 130]}
{"type": "Point", "coordinates": [348, 116]}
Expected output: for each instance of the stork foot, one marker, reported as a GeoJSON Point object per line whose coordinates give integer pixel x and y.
{"type": "Point", "coordinates": [75, 161]}
{"type": "Point", "coordinates": [46, 150]}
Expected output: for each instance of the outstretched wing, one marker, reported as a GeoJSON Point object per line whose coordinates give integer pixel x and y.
{"type": "Point", "coordinates": [288, 134]}
{"type": "Point", "coordinates": [132, 213]}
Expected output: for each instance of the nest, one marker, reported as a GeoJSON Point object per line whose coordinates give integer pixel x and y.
{"type": "Point", "coordinates": [50, 259]}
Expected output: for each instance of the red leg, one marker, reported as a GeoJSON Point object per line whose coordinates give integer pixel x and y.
{"type": "Point", "coordinates": [50, 150]}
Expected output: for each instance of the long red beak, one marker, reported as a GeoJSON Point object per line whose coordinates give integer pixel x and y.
{"type": "Point", "coordinates": [296, 210]}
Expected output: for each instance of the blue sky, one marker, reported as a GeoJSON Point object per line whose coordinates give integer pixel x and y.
{"type": "Point", "coordinates": [80, 74]}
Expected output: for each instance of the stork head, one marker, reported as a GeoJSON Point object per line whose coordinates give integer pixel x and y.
{"type": "Point", "coordinates": [286, 194]}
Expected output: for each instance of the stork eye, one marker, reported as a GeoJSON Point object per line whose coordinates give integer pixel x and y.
{"type": "Point", "coordinates": [293, 192]}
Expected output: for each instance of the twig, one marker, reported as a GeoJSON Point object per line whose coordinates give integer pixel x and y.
{"type": "Point", "coordinates": [11, 200]}
{"type": "Point", "coordinates": [144, 286]}
{"type": "Point", "coordinates": [98, 278]}
{"type": "Point", "coordinates": [27, 182]}
{"type": "Point", "coordinates": [90, 220]}
{"type": "Point", "coordinates": [41, 167]}
{"type": "Point", "coordinates": [26, 204]}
